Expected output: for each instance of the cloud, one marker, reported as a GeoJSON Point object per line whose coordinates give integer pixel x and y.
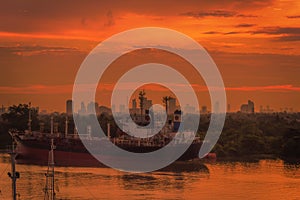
{"type": "Point", "coordinates": [288, 34]}
{"type": "Point", "coordinates": [277, 30]}
{"type": "Point", "coordinates": [223, 33]}
{"type": "Point", "coordinates": [289, 38]}
{"type": "Point", "coordinates": [110, 21]}
{"type": "Point", "coordinates": [68, 18]}
{"type": "Point", "coordinates": [67, 89]}
{"type": "Point", "coordinates": [245, 25]}
{"type": "Point", "coordinates": [232, 33]}
{"type": "Point", "coordinates": [246, 16]}
{"type": "Point", "coordinates": [37, 89]}
{"type": "Point", "coordinates": [37, 50]}
{"type": "Point", "coordinates": [215, 13]}
{"type": "Point", "coordinates": [293, 16]}
{"type": "Point", "coordinates": [212, 32]}
{"type": "Point", "coordinates": [274, 88]}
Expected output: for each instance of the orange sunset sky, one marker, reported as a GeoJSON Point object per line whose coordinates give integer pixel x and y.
{"type": "Point", "coordinates": [255, 45]}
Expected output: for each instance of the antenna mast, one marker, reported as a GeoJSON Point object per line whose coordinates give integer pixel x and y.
{"type": "Point", "coordinates": [49, 193]}
{"type": "Point", "coordinates": [13, 174]}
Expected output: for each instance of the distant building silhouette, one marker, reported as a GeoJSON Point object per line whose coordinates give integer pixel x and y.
{"type": "Point", "coordinates": [69, 107]}
{"type": "Point", "coordinates": [267, 109]}
{"type": "Point", "coordinates": [189, 109]}
{"type": "Point", "coordinates": [2, 110]}
{"type": "Point", "coordinates": [203, 110]}
{"type": "Point", "coordinates": [228, 108]}
{"type": "Point", "coordinates": [247, 108]}
{"type": "Point", "coordinates": [93, 107]}
{"type": "Point", "coordinates": [217, 107]}
{"type": "Point", "coordinates": [172, 105]}
{"type": "Point", "coordinates": [122, 108]}
{"type": "Point", "coordinates": [134, 104]}
{"type": "Point", "coordinates": [82, 110]}
{"type": "Point", "coordinates": [113, 108]}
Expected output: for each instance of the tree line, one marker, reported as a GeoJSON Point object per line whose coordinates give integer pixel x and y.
{"type": "Point", "coordinates": [243, 135]}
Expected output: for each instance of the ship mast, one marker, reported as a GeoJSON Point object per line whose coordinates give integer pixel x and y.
{"type": "Point", "coordinates": [49, 193]}
{"type": "Point", "coordinates": [13, 174]}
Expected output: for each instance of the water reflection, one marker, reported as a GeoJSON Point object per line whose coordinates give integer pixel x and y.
{"type": "Point", "coordinates": [292, 169]}
{"type": "Point", "coordinates": [266, 179]}
{"type": "Point", "coordinates": [168, 179]}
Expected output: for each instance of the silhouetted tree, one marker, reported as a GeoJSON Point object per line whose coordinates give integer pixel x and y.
{"type": "Point", "coordinates": [17, 117]}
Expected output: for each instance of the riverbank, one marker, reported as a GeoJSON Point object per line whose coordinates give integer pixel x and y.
{"type": "Point", "coordinates": [257, 158]}
{"type": "Point", "coordinates": [248, 158]}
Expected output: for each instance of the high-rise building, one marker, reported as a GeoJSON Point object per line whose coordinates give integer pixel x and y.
{"type": "Point", "coordinates": [97, 109]}
{"type": "Point", "coordinates": [189, 109]}
{"type": "Point", "coordinates": [134, 104]}
{"type": "Point", "coordinates": [93, 107]}
{"type": "Point", "coordinates": [172, 105]}
{"type": "Point", "coordinates": [250, 106]}
{"type": "Point", "coordinates": [69, 107]}
{"type": "Point", "coordinates": [122, 108]}
{"type": "Point", "coordinates": [82, 110]}
{"type": "Point", "coordinates": [216, 107]}
{"type": "Point", "coordinates": [244, 108]}
{"type": "Point", "coordinates": [247, 108]}
{"type": "Point", "coordinates": [2, 110]}
{"type": "Point", "coordinates": [203, 110]}
{"type": "Point", "coordinates": [113, 108]}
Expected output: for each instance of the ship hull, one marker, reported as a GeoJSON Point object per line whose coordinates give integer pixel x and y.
{"type": "Point", "coordinates": [38, 155]}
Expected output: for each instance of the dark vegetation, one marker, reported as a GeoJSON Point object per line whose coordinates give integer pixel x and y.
{"type": "Point", "coordinates": [244, 135]}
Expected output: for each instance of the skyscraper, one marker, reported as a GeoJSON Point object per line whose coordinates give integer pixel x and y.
{"type": "Point", "coordinates": [69, 107]}
{"type": "Point", "coordinates": [93, 106]}
{"type": "Point", "coordinates": [250, 106]}
{"type": "Point", "coordinates": [82, 110]}
{"type": "Point", "coordinates": [203, 110]}
{"type": "Point", "coordinates": [134, 105]}
{"type": "Point", "coordinates": [247, 108]}
{"type": "Point", "coordinates": [122, 108]}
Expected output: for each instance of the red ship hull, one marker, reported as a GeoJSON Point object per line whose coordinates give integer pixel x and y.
{"type": "Point", "coordinates": [36, 156]}
{"type": "Point", "coordinates": [36, 153]}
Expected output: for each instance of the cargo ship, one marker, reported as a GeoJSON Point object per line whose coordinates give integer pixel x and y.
{"type": "Point", "coordinates": [34, 149]}
{"type": "Point", "coordinates": [33, 146]}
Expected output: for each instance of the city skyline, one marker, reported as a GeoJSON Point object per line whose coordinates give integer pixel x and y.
{"type": "Point", "coordinates": [257, 56]}
{"type": "Point", "coordinates": [150, 99]}
{"type": "Point", "coordinates": [134, 107]}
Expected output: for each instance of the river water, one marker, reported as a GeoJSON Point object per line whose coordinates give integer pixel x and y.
{"type": "Point", "coordinates": [266, 179]}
